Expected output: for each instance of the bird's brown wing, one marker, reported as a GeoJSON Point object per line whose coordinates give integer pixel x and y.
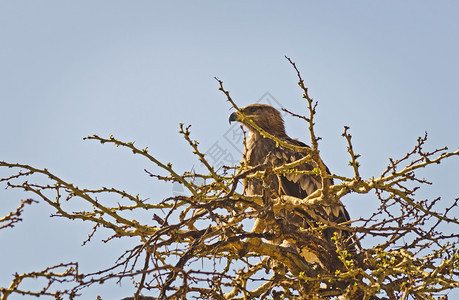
{"type": "Point", "coordinates": [302, 185]}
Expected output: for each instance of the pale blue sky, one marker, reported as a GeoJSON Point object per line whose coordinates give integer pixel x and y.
{"type": "Point", "coordinates": [135, 69]}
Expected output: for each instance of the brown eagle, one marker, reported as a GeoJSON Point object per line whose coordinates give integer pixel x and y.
{"type": "Point", "coordinates": [261, 150]}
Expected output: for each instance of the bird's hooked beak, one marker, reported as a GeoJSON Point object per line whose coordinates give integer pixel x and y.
{"type": "Point", "coordinates": [233, 117]}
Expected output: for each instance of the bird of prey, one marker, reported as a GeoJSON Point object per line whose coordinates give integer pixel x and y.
{"type": "Point", "coordinates": [261, 150]}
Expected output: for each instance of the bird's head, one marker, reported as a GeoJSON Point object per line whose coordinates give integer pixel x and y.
{"type": "Point", "coordinates": [264, 116]}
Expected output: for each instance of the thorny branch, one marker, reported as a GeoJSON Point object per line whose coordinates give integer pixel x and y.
{"type": "Point", "coordinates": [69, 273]}
{"type": "Point", "coordinates": [14, 217]}
{"type": "Point", "coordinates": [202, 244]}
